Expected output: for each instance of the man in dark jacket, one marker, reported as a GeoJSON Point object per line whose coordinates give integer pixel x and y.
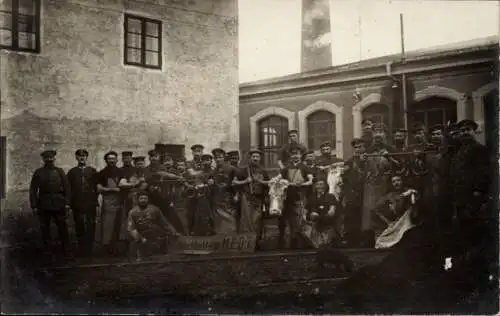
{"type": "Point", "coordinates": [50, 199]}
{"type": "Point", "coordinates": [82, 182]}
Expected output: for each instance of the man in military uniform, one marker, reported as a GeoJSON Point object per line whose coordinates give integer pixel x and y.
{"type": "Point", "coordinates": [293, 142]}
{"type": "Point", "coordinates": [197, 152]}
{"type": "Point", "coordinates": [354, 184]}
{"type": "Point", "coordinates": [83, 187]}
{"type": "Point", "coordinates": [50, 199]}
{"type": "Point", "coordinates": [300, 178]}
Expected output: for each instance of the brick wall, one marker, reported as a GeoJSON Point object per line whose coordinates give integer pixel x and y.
{"type": "Point", "coordinates": [78, 93]}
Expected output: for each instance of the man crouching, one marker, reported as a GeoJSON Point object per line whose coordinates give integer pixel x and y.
{"type": "Point", "coordinates": [148, 228]}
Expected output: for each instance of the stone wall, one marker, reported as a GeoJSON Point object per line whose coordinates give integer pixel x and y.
{"type": "Point", "coordinates": [77, 92]}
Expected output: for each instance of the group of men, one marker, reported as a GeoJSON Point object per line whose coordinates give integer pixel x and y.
{"type": "Point", "coordinates": [213, 194]}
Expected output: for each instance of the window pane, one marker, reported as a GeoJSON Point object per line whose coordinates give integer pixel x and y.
{"type": "Point", "coordinates": [133, 25]}
{"type": "Point", "coordinates": [5, 37]}
{"type": "Point", "coordinates": [27, 40]}
{"type": "Point", "coordinates": [133, 55]}
{"type": "Point", "coordinates": [5, 20]}
{"type": "Point", "coordinates": [27, 7]}
{"type": "Point", "coordinates": [134, 40]}
{"type": "Point", "coordinates": [152, 43]}
{"type": "Point", "coordinates": [6, 5]}
{"type": "Point", "coordinates": [152, 59]}
{"type": "Point", "coordinates": [152, 29]}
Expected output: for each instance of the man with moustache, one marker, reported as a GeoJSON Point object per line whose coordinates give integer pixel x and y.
{"type": "Point", "coordinates": [50, 199]}
{"type": "Point", "coordinates": [326, 160]}
{"type": "Point", "coordinates": [108, 180]}
{"type": "Point", "coordinates": [195, 164]}
{"type": "Point", "coordinates": [354, 179]}
{"type": "Point", "coordinates": [300, 178]}
{"type": "Point", "coordinates": [148, 228]}
{"type": "Point", "coordinates": [293, 142]}
{"type": "Point", "coordinates": [83, 187]}
{"type": "Point", "coordinates": [367, 131]}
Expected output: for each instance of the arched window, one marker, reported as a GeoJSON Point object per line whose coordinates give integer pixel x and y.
{"type": "Point", "coordinates": [432, 111]}
{"type": "Point", "coordinates": [272, 136]}
{"type": "Point", "coordinates": [320, 128]}
{"type": "Point", "coordinates": [377, 113]}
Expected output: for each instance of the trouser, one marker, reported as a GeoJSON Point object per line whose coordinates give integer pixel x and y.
{"type": "Point", "coordinates": [191, 205]}
{"type": "Point", "coordinates": [151, 247]}
{"type": "Point", "coordinates": [85, 222]}
{"type": "Point", "coordinates": [291, 217]}
{"type": "Point", "coordinates": [352, 224]}
{"type": "Point", "coordinates": [59, 217]}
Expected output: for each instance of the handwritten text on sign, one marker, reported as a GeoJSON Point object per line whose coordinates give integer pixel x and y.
{"type": "Point", "coordinates": [217, 244]}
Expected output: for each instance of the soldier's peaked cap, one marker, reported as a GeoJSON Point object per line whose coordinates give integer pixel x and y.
{"type": "Point", "coordinates": [216, 151]}
{"type": "Point", "coordinates": [467, 124]}
{"type": "Point", "coordinates": [48, 153]}
{"type": "Point", "coordinates": [197, 146]}
{"type": "Point", "coordinates": [357, 141]}
{"type": "Point", "coordinates": [81, 152]}
{"type": "Point", "coordinates": [254, 151]}
{"type": "Point", "coordinates": [233, 153]}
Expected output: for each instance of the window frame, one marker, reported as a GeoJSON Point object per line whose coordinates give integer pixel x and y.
{"type": "Point", "coordinates": [311, 121]}
{"type": "Point", "coordinates": [14, 13]}
{"type": "Point", "coordinates": [143, 49]}
{"type": "Point", "coordinates": [281, 139]}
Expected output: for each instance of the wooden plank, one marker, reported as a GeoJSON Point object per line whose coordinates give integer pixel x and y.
{"type": "Point", "coordinates": [242, 243]}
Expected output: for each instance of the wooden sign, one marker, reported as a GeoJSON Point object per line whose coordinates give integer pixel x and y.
{"type": "Point", "coordinates": [216, 244]}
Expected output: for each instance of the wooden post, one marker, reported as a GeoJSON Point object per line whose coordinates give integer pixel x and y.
{"type": "Point", "coordinates": [403, 76]}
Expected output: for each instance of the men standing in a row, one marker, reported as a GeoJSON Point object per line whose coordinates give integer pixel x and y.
{"type": "Point", "coordinates": [83, 186]}
{"type": "Point", "coordinates": [112, 206]}
{"type": "Point", "coordinates": [50, 199]}
{"type": "Point", "coordinates": [293, 142]}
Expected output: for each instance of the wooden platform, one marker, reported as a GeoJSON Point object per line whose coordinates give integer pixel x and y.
{"type": "Point", "coordinates": [217, 275]}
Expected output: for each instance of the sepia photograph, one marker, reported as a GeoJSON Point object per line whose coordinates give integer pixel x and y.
{"type": "Point", "coordinates": [249, 157]}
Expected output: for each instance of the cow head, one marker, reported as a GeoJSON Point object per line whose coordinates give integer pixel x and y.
{"type": "Point", "coordinates": [277, 193]}
{"type": "Point", "coordinates": [334, 179]}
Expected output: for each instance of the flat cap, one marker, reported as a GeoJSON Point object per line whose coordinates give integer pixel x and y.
{"type": "Point", "coordinates": [357, 141]}
{"type": "Point", "coordinates": [110, 153]}
{"type": "Point", "coordinates": [417, 127]}
{"type": "Point", "coordinates": [255, 151]}
{"type": "Point", "coordinates": [143, 193]}
{"type": "Point", "coordinates": [206, 157]}
{"type": "Point", "coordinates": [467, 124]}
{"type": "Point", "coordinates": [293, 131]}
{"type": "Point", "coordinates": [139, 158]}
{"type": "Point", "coordinates": [48, 153]}
{"type": "Point", "coordinates": [127, 153]}
{"type": "Point", "coordinates": [325, 144]}
{"type": "Point", "coordinates": [197, 146]}
{"type": "Point", "coordinates": [233, 153]}
{"type": "Point", "coordinates": [81, 152]}
{"type": "Point", "coordinates": [153, 152]}
{"type": "Point", "coordinates": [218, 151]}
{"type": "Point", "coordinates": [180, 159]}
{"type": "Point", "coordinates": [399, 130]}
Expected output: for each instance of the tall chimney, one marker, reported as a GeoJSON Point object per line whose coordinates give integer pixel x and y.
{"type": "Point", "coordinates": [316, 35]}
